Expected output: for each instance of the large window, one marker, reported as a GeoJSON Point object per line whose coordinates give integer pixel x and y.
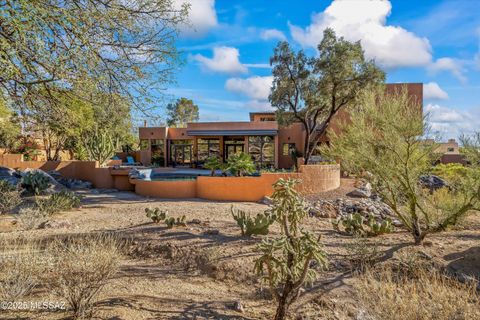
{"type": "Point", "coordinates": [181, 152]}
{"type": "Point", "coordinates": [262, 150]}
{"type": "Point", "coordinates": [144, 144]}
{"type": "Point", "coordinates": [288, 148]}
{"type": "Point", "coordinates": [208, 148]}
{"type": "Point", "coordinates": [158, 151]}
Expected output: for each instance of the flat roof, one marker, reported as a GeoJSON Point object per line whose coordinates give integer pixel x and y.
{"type": "Point", "coordinates": [252, 132]}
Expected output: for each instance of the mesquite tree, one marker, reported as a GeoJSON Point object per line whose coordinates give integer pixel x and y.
{"type": "Point", "coordinates": [313, 90]}
{"type": "Point", "coordinates": [383, 143]}
{"type": "Point", "coordinates": [286, 262]}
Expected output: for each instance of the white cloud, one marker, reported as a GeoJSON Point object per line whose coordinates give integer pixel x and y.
{"type": "Point", "coordinates": [273, 34]}
{"type": "Point", "coordinates": [432, 90]}
{"type": "Point", "coordinates": [391, 46]}
{"type": "Point", "coordinates": [225, 59]}
{"type": "Point", "coordinates": [453, 66]}
{"type": "Point", "coordinates": [257, 105]}
{"type": "Point", "coordinates": [254, 87]}
{"type": "Point", "coordinates": [451, 122]}
{"type": "Point", "coordinates": [201, 16]}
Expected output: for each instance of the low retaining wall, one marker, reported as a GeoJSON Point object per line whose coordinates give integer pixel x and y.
{"type": "Point", "coordinates": [100, 177]}
{"type": "Point", "coordinates": [315, 179]}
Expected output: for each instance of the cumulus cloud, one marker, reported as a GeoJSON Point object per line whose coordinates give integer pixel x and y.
{"type": "Point", "coordinates": [451, 122]}
{"type": "Point", "coordinates": [273, 34]}
{"type": "Point", "coordinates": [432, 90]}
{"type": "Point", "coordinates": [225, 59]}
{"type": "Point", "coordinates": [201, 16]}
{"type": "Point", "coordinates": [451, 65]}
{"type": "Point", "coordinates": [391, 46]}
{"type": "Point", "coordinates": [254, 87]}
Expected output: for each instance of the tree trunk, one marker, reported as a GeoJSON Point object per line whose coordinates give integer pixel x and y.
{"type": "Point", "coordinates": [282, 309]}
{"type": "Point", "coordinates": [418, 234]}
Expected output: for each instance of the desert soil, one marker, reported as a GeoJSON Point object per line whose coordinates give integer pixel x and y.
{"type": "Point", "coordinates": [202, 270]}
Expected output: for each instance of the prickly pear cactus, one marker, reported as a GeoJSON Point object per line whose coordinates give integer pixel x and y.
{"type": "Point", "coordinates": [172, 222]}
{"type": "Point", "coordinates": [252, 226]}
{"type": "Point", "coordinates": [156, 214]}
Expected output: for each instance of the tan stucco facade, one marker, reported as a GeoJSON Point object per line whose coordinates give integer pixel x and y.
{"type": "Point", "coordinates": [183, 143]}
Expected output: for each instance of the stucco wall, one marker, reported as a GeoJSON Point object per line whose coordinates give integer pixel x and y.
{"type": "Point", "coordinates": [83, 170]}
{"type": "Point", "coordinates": [314, 179]}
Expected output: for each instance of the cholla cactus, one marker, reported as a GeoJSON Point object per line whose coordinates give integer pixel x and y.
{"type": "Point", "coordinates": [156, 214]}
{"type": "Point", "coordinates": [100, 146]}
{"type": "Point", "coordinates": [285, 262]}
{"type": "Point", "coordinates": [252, 226]}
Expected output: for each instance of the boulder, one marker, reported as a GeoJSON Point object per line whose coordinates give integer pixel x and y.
{"type": "Point", "coordinates": [54, 185]}
{"type": "Point", "coordinates": [10, 175]}
{"type": "Point", "coordinates": [432, 182]}
{"type": "Point", "coordinates": [70, 183]}
{"type": "Point", "coordinates": [266, 200]}
{"type": "Point", "coordinates": [364, 191]}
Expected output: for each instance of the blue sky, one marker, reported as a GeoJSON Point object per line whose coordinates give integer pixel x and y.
{"type": "Point", "coordinates": [227, 46]}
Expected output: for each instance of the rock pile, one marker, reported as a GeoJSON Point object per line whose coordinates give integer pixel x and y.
{"type": "Point", "coordinates": [344, 207]}
{"type": "Point", "coordinates": [75, 184]}
{"type": "Point", "coordinates": [11, 176]}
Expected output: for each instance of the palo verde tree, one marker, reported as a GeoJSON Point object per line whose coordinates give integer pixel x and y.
{"type": "Point", "coordinates": [383, 143]}
{"type": "Point", "coordinates": [286, 262]}
{"type": "Point", "coordinates": [123, 47]}
{"type": "Point", "coordinates": [313, 90]}
{"type": "Point", "coordinates": [181, 112]}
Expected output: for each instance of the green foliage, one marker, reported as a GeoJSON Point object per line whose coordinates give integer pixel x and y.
{"type": "Point", "coordinates": [100, 145]}
{"type": "Point", "coordinates": [285, 263]}
{"type": "Point", "coordinates": [9, 128]}
{"type": "Point", "coordinates": [312, 90]}
{"type": "Point", "coordinates": [172, 222]}
{"type": "Point", "coordinates": [252, 226]}
{"type": "Point", "coordinates": [35, 182]}
{"type": "Point", "coordinates": [133, 58]}
{"type": "Point", "coordinates": [451, 172]}
{"type": "Point", "coordinates": [362, 254]}
{"type": "Point", "coordinates": [213, 164]}
{"type": "Point", "coordinates": [384, 138]}
{"type": "Point", "coordinates": [240, 164]}
{"type": "Point", "coordinates": [9, 196]}
{"type": "Point", "coordinates": [57, 202]}
{"type": "Point", "coordinates": [181, 112]}
{"type": "Point", "coordinates": [156, 214]}
{"type": "Point", "coordinates": [356, 225]}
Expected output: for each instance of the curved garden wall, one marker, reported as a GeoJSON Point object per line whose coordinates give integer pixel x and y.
{"type": "Point", "coordinates": [315, 178]}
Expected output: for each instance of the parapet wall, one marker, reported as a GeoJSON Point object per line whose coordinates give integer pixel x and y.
{"type": "Point", "coordinates": [314, 179]}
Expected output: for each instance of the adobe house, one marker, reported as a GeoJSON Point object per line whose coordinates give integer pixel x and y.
{"type": "Point", "coordinates": [268, 143]}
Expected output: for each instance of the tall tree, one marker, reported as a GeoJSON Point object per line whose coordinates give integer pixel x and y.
{"type": "Point", "coordinates": [313, 90]}
{"type": "Point", "coordinates": [9, 128]}
{"type": "Point", "coordinates": [123, 47]}
{"type": "Point", "coordinates": [384, 138]}
{"type": "Point", "coordinates": [181, 112]}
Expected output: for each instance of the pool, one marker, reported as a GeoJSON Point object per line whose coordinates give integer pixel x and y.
{"type": "Point", "coordinates": [173, 177]}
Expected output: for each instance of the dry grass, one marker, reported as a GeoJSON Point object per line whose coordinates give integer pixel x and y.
{"type": "Point", "coordinates": [81, 268]}
{"type": "Point", "coordinates": [429, 295]}
{"type": "Point", "coordinates": [21, 264]}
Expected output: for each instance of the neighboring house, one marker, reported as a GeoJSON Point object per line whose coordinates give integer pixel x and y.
{"type": "Point", "coordinates": [269, 144]}
{"type": "Point", "coordinates": [449, 151]}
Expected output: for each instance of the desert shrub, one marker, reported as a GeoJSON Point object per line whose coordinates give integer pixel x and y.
{"type": "Point", "coordinates": [35, 182]}
{"type": "Point", "coordinates": [451, 171]}
{"type": "Point", "coordinates": [30, 217]}
{"type": "Point", "coordinates": [62, 201]}
{"type": "Point", "coordinates": [204, 260]}
{"type": "Point", "coordinates": [362, 254]}
{"type": "Point", "coordinates": [9, 196]}
{"type": "Point", "coordinates": [287, 262]}
{"type": "Point", "coordinates": [178, 222]}
{"type": "Point", "coordinates": [213, 164]}
{"type": "Point", "coordinates": [21, 266]}
{"type": "Point", "coordinates": [156, 214]}
{"type": "Point", "coordinates": [81, 268]}
{"type": "Point", "coordinates": [430, 295]}
{"type": "Point", "coordinates": [240, 164]}
{"type": "Point", "coordinates": [385, 139]}
{"type": "Point", "coordinates": [356, 225]}
{"type": "Point", "coordinates": [252, 226]}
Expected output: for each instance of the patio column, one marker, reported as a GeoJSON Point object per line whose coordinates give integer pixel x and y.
{"type": "Point", "coordinates": [277, 151]}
